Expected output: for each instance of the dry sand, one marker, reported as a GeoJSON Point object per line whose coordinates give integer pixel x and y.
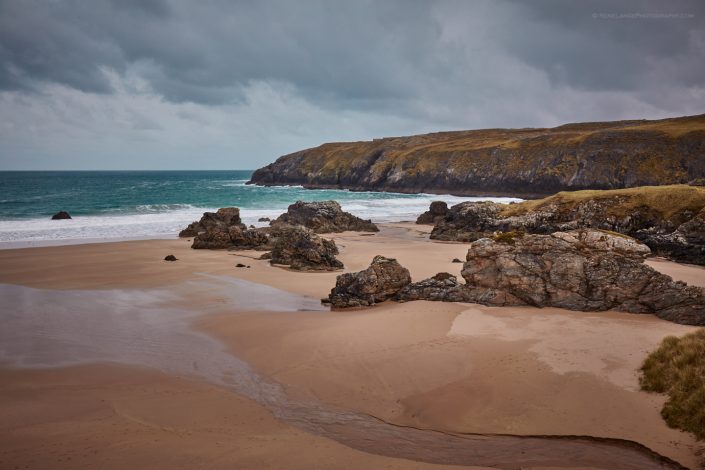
{"type": "Point", "coordinates": [450, 367]}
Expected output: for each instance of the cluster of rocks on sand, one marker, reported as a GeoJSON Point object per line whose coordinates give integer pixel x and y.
{"type": "Point", "coordinates": [292, 239]}
{"type": "Point", "coordinates": [583, 269]}
{"type": "Point", "coordinates": [586, 269]}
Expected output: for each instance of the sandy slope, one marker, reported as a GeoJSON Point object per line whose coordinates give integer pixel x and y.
{"type": "Point", "coordinates": [451, 367]}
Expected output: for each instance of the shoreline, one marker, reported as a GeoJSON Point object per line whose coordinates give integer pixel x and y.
{"type": "Point", "coordinates": [455, 368]}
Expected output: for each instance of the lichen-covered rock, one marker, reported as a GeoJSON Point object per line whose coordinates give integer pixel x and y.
{"type": "Point", "coordinates": [323, 217]}
{"type": "Point", "coordinates": [303, 250]}
{"type": "Point", "coordinates": [382, 280]}
{"type": "Point", "coordinates": [441, 287]}
{"type": "Point", "coordinates": [588, 270]}
{"type": "Point", "coordinates": [670, 220]}
{"type": "Point", "coordinates": [436, 212]}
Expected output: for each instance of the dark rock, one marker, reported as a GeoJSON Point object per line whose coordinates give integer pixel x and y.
{"type": "Point", "coordinates": [381, 281]}
{"type": "Point", "coordinates": [436, 212]}
{"type": "Point", "coordinates": [588, 270]}
{"type": "Point", "coordinates": [212, 230]}
{"type": "Point", "coordinates": [456, 260]}
{"type": "Point", "coordinates": [267, 255]}
{"type": "Point", "coordinates": [303, 250]}
{"type": "Point", "coordinates": [323, 217]}
{"type": "Point", "coordinates": [441, 287]}
{"type": "Point", "coordinates": [170, 258]}
{"type": "Point", "coordinates": [240, 265]}
{"type": "Point", "coordinates": [264, 219]}
{"type": "Point", "coordinates": [61, 215]}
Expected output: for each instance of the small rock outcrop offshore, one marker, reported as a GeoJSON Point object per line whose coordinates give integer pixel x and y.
{"type": "Point", "coordinates": [61, 215]}
{"type": "Point", "coordinates": [668, 219]}
{"type": "Point", "coordinates": [586, 270]}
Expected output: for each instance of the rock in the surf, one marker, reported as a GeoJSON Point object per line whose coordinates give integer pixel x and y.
{"type": "Point", "coordinates": [323, 217]}
{"type": "Point", "coordinates": [436, 211]}
{"type": "Point", "coordinates": [61, 215]}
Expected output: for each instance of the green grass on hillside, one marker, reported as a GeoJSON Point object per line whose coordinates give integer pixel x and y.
{"type": "Point", "coordinates": [677, 368]}
{"type": "Point", "coordinates": [667, 201]}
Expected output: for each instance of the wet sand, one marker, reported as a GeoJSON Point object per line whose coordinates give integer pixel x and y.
{"type": "Point", "coordinates": [451, 368]}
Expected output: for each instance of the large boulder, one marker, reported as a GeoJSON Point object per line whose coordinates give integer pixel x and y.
{"type": "Point", "coordinates": [588, 270]}
{"type": "Point", "coordinates": [436, 212]}
{"type": "Point", "coordinates": [381, 281]}
{"type": "Point", "coordinates": [303, 250]}
{"type": "Point", "coordinates": [323, 217]}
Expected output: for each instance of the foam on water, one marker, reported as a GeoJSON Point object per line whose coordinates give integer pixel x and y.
{"type": "Point", "coordinates": [138, 205]}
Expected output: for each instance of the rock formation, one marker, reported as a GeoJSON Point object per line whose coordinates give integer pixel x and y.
{"type": "Point", "coordinates": [669, 219]}
{"type": "Point", "coordinates": [509, 162]}
{"type": "Point", "coordinates": [296, 246]}
{"type": "Point", "coordinates": [587, 270]}
{"type": "Point", "coordinates": [170, 258]}
{"type": "Point", "coordinates": [381, 281]}
{"type": "Point", "coordinates": [441, 287]}
{"type": "Point", "coordinates": [435, 213]}
{"type": "Point", "coordinates": [323, 217]}
{"type": "Point", "coordinates": [221, 220]}
{"type": "Point", "coordinates": [61, 215]}
{"type": "Point", "coordinates": [303, 250]}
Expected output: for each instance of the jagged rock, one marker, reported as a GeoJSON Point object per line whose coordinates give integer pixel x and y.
{"type": "Point", "coordinates": [381, 281]}
{"type": "Point", "coordinates": [588, 270]}
{"type": "Point", "coordinates": [441, 287]}
{"type": "Point", "coordinates": [61, 215]}
{"type": "Point", "coordinates": [224, 229]}
{"type": "Point", "coordinates": [435, 212]}
{"type": "Point", "coordinates": [170, 258]}
{"type": "Point", "coordinates": [670, 220]}
{"type": "Point", "coordinates": [303, 250]}
{"type": "Point", "coordinates": [211, 226]}
{"type": "Point", "coordinates": [323, 217]}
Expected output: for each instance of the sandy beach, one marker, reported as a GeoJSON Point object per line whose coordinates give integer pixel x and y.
{"type": "Point", "coordinates": [236, 367]}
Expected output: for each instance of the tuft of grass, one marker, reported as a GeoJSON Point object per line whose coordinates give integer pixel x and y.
{"type": "Point", "coordinates": [677, 368]}
{"type": "Point", "coordinates": [508, 238]}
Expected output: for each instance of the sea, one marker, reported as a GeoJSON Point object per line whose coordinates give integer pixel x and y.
{"type": "Point", "coordinates": [132, 205]}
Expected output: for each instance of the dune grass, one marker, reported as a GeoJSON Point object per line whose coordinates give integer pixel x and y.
{"type": "Point", "coordinates": [677, 368]}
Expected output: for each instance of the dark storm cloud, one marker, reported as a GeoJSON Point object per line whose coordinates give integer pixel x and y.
{"type": "Point", "coordinates": [359, 53]}
{"type": "Point", "coordinates": [234, 84]}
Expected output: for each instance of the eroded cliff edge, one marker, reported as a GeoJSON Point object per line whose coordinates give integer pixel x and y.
{"type": "Point", "coordinates": [515, 162]}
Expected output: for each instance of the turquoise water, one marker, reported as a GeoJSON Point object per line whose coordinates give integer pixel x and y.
{"type": "Point", "coordinates": [156, 204]}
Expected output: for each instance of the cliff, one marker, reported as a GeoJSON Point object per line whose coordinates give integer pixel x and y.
{"type": "Point", "coordinates": [517, 162]}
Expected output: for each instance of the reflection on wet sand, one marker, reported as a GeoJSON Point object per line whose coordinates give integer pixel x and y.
{"type": "Point", "coordinates": [151, 328]}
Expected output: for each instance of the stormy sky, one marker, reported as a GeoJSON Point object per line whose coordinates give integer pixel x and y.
{"type": "Point", "coordinates": [162, 84]}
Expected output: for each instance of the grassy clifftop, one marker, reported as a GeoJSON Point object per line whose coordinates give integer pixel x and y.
{"type": "Point", "coordinates": [527, 162]}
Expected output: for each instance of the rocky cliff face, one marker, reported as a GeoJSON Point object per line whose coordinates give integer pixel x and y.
{"type": "Point", "coordinates": [515, 162]}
